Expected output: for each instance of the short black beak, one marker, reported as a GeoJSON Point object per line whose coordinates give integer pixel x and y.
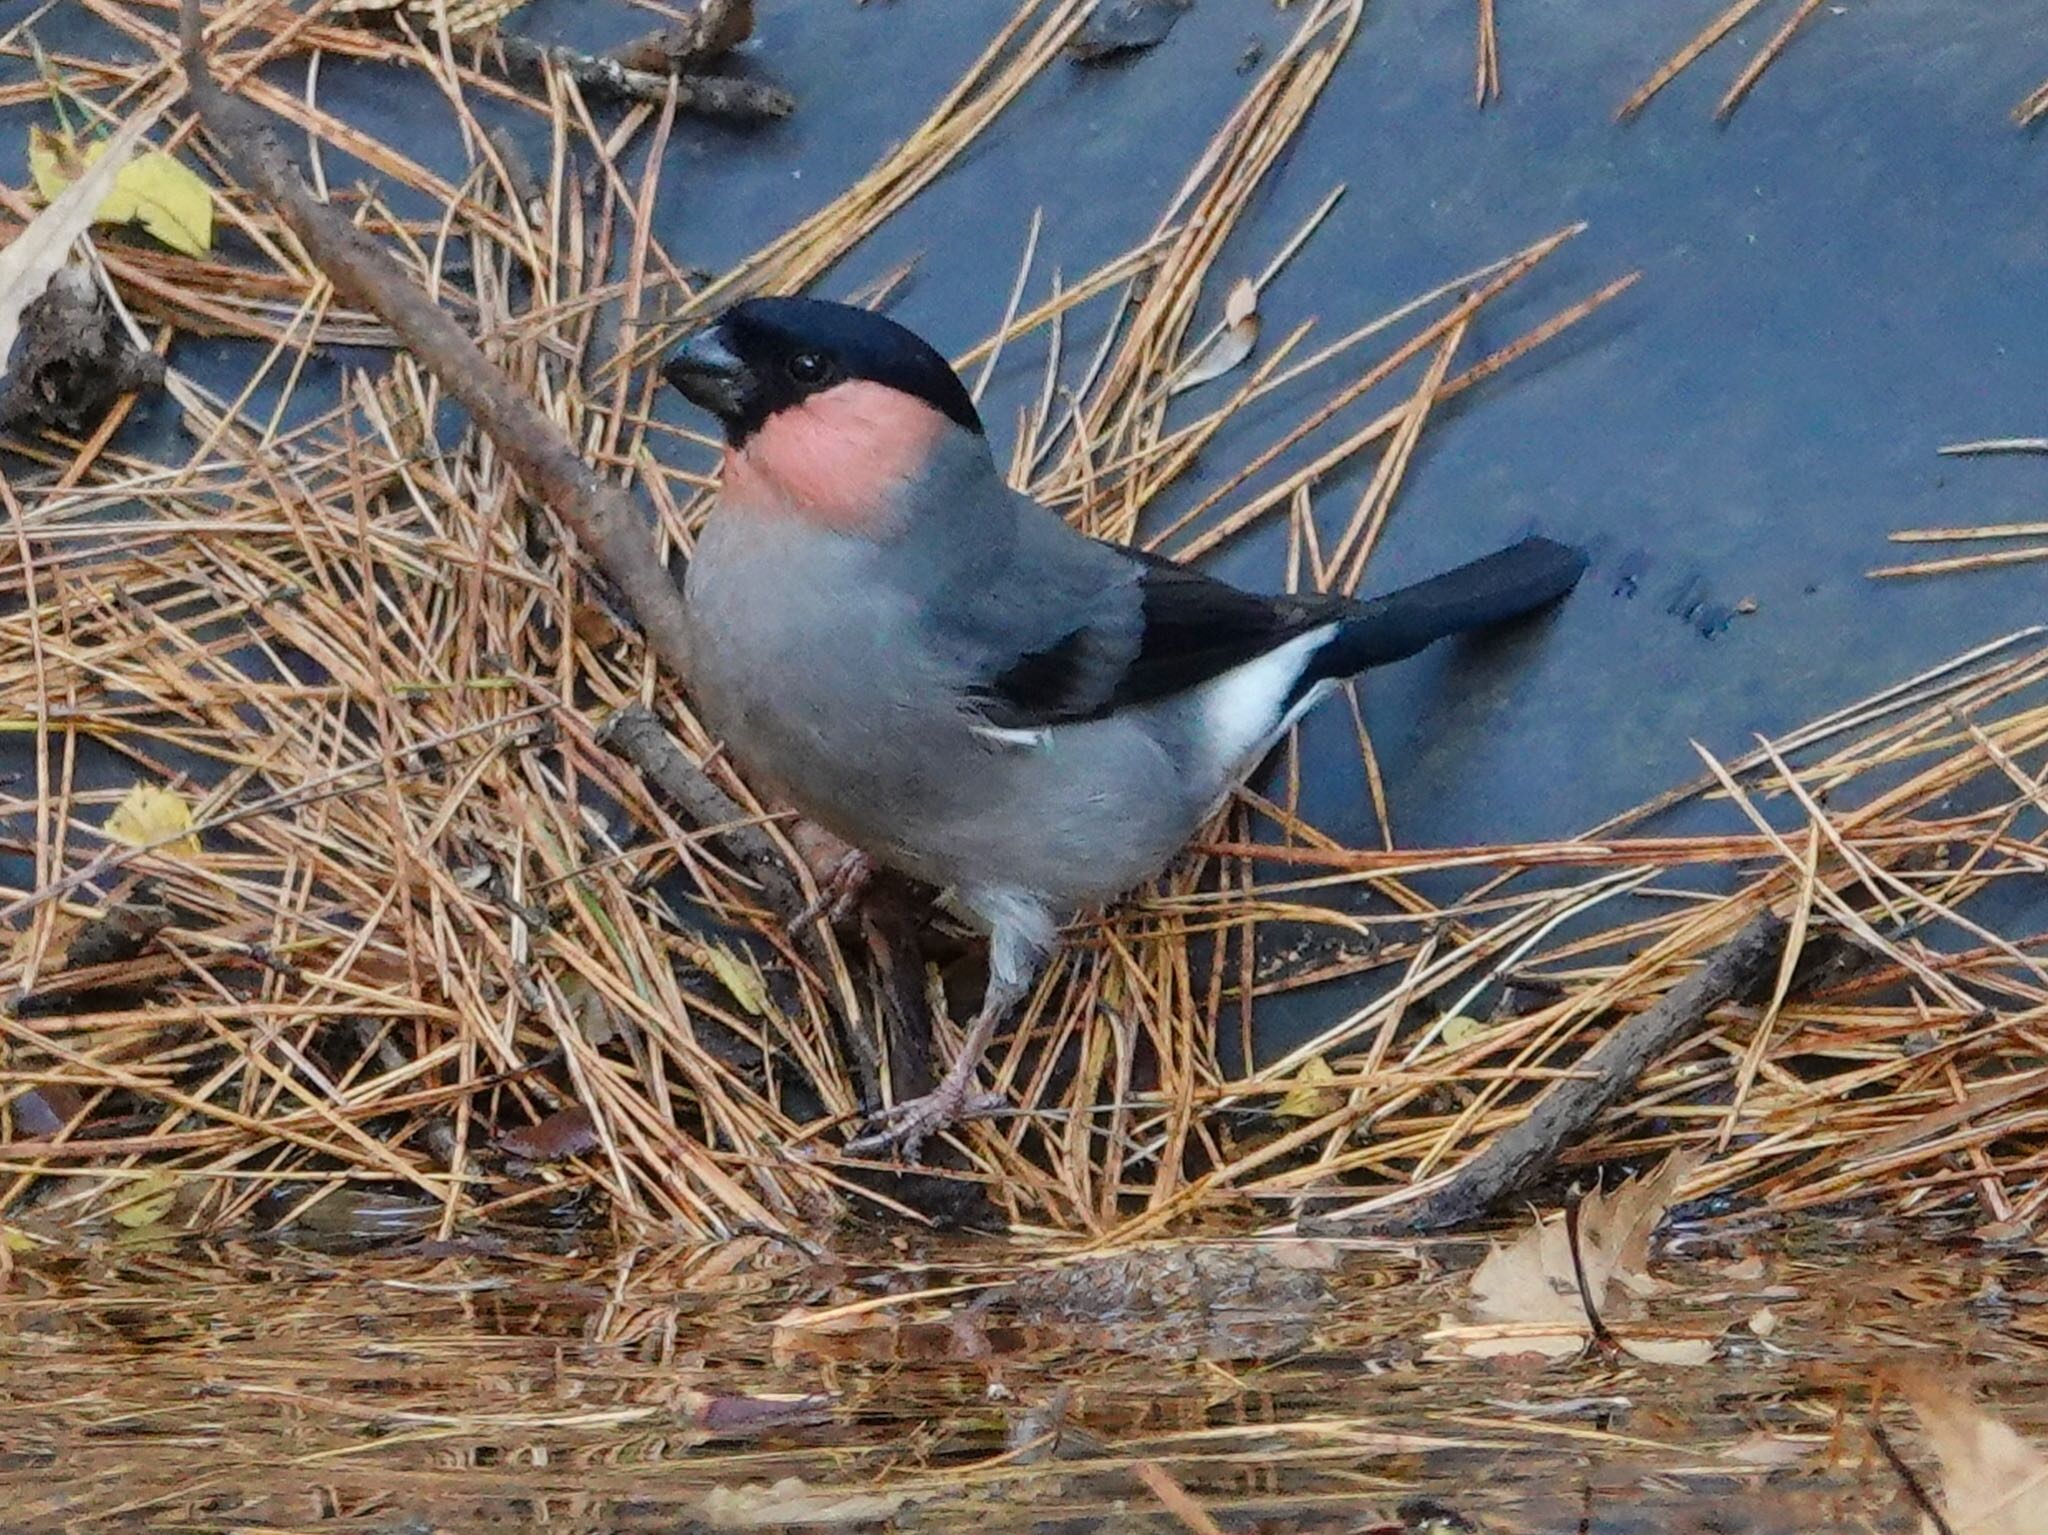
{"type": "Point", "coordinates": [707, 373]}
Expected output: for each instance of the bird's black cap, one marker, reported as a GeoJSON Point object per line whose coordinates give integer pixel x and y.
{"type": "Point", "coordinates": [766, 354]}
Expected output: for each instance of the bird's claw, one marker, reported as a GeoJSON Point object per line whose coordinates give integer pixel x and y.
{"type": "Point", "coordinates": [903, 1128]}
{"type": "Point", "coordinates": [840, 888]}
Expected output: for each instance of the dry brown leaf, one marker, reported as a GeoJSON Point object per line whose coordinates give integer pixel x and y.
{"type": "Point", "coordinates": [562, 1135]}
{"type": "Point", "coordinates": [1531, 1280]}
{"type": "Point", "coordinates": [1618, 1226]}
{"type": "Point", "coordinates": [1531, 1291]}
{"type": "Point", "coordinates": [1993, 1482]}
{"type": "Point", "coordinates": [1232, 345]}
{"type": "Point", "coordinates": [731, 1415]}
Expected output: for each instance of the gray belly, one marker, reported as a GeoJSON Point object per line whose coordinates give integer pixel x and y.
{"type": "Point", "coordinates": [843, 710]}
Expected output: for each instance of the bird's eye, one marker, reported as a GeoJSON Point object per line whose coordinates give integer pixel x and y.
{"type": "Point", "coordinates": [809, 368]}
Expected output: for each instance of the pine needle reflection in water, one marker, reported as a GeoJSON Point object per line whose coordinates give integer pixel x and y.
{"type": "Point", "coordinates": [238, 1386]}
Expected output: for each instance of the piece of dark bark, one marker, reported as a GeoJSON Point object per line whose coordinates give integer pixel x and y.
{"type": "Point", "coordinates": [123, 932]}
{"type": "Point", "coordinates": [709, 34]}
{"type": "Point", "coordinates": [1119, 28]}
{"type": "Point", "coordinates": [729, 97]}
{"type": "Point", "coordinates": [72, 359]}
{"type": "Point", "coordinates": [118, 934]}
{"type": "Point", "coordinates": [890, 929]}
{"type": "Point", "coordinates": [1526, 1153]}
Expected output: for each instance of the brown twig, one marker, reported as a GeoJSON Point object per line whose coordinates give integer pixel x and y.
{"type": "Point", "coordinates": [1524, 1154]}
{"type": "Point", "coordinates": [602, 516]}
{"type": "Point", "coordinates": [723, 96]}
{"type": "Point", "coordinates": [1916, 1490]}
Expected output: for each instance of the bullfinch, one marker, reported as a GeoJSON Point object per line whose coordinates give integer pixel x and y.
{"type": "Point", "coordinates": [958, 684]}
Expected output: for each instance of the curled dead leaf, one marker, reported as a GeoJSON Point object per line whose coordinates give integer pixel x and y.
{"type": "Point", "coordinates": [1233, 344]}
{"type": "Point", "coordinates": [561, 1136]}
{"type": "Point", "coordinates": [735, 1416]}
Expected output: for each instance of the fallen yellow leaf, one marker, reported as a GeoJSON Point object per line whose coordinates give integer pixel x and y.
{"type": "Point", "coordinates": [146, 1201]}
{"type": "Point", "coordinates": [149, 815]}
{"type": "Point", "coordinates": [1311, 1097]}
{"type": "Point", "coordinates": [1459, 1030]}
{"type": "Point", "coordinates": [736, 976]}
{"type": "Point", "coordinates": [153, 189]}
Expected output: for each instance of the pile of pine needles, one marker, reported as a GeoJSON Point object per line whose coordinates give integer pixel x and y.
{"type": "Point", "coordinates": [401, 926]}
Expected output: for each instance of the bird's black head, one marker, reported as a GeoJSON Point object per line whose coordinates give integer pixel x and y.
{"type": "Point", "coordinates": [767, 354]}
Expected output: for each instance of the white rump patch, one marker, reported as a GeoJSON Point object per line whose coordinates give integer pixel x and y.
{"type": "Point", "coordinates": [1242, 709]}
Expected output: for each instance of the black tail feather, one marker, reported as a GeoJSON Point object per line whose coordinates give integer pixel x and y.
{"type": "Point", "coordinates": [1503, 586]}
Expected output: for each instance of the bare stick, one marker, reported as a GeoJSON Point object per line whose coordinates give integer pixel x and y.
{"type": "Point", "coordinates": [603, 518]}
{"type": "Point", "coordinates": [1525, 1153]}
{"type": "Point", "coordinates": [727, 96]}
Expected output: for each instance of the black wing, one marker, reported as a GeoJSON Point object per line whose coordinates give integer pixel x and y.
{"type": "Point", "coordinates": [1187, 629]}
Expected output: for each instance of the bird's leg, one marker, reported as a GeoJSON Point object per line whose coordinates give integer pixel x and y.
{"type": "Point", "coordinates": [1015, 954]}
{"type": "Point", "coordinates": [840, 870]}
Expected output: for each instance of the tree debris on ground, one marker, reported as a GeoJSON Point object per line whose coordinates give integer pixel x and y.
{"type": "Point", "coordinates": [485, 913]}
{"type": "Point", "coordinates": [72, 360]}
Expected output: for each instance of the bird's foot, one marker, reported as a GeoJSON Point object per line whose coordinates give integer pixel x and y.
{"type": "Point", "coordinates": [903, 1127]}
{"type": "Point", "coordinates": [840, 888]}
